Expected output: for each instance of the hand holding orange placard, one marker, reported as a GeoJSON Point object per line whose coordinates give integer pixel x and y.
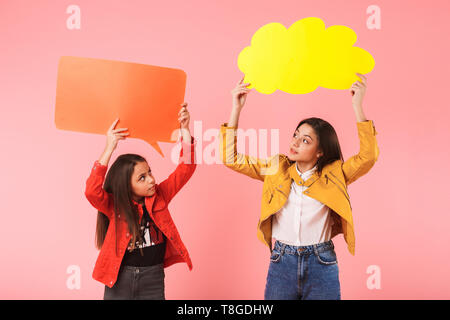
{"type": "Point", "coordinates": [92, 93]}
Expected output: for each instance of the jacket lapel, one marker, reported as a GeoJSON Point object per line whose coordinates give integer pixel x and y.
{"type": "Point", "coordinates": [296, 177]}
{"type": "Point", "coordinates": [157, 201]}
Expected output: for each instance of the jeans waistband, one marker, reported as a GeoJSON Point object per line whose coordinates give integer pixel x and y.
{"type": "Point", "coordinates": [290, 249]}
{"type": "Point", "coordinates": [140, 269]}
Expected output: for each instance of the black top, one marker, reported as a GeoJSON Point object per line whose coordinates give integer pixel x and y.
{"type": "Point", "coordinates": [153, 246]}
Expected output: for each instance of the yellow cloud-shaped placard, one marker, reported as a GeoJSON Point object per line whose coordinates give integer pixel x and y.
{"type": "Point", "coordinates": [305, 56]}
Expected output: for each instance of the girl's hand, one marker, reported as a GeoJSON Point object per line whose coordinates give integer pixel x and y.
{"type": "Point", "coordinates": [239, 94]}
{"type": "Point", "coordinates": [184, 116]}
{"type": "Point", "coordinates": [114, 135]}
{"type": "Point", "coordinates": [358, 90]}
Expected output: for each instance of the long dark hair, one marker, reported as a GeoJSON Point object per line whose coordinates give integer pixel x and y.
{"type": "Point", "coordinates": [118, 183]}
{"type": "Point", "coordinates": [328, 142]}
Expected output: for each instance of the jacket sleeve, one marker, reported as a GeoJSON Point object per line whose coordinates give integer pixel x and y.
{"type": "Point", "coordinates": [250, 166]}
{"type": "Point", "coordinates": [360, 164]}
{"type": "Point", "coordinates": [95, 194]}
{"type": "Point", "coordinates": [183, 172]}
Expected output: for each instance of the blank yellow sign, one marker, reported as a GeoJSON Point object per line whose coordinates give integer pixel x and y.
{"type": "Point", "coordinates": [300, 59]}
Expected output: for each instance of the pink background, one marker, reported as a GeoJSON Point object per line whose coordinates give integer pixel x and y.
{"type": "Point", "coordinates": [399, 208]}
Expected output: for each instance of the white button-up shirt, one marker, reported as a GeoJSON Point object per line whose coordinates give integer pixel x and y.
{"type": "Point", "coordinates": [303, 220]}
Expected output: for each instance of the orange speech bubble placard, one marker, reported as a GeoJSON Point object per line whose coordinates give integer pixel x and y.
{"type": "Point", "coordinates": [92, 93]}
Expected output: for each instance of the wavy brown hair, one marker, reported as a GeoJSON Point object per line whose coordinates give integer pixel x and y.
{"type": "Point", "coordinates": [118, 184]}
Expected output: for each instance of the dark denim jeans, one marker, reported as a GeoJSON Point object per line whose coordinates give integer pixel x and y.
{"type": "Point", "coordinates": [138, 283]}
{"type": "Point", "coordinates": [303, 273]}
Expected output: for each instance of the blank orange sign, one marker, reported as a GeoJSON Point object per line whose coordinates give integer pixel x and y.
{"type": "Point", "coordinates": [92, 93]}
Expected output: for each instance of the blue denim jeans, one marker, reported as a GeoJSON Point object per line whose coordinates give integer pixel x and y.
{"type": "Point", "coordinates": [303, 273]}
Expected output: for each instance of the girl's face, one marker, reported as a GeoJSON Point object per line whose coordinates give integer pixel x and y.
{"type": "Point", "coordinates": [142, 181]}
{"type": "Point", "coordinates": [304, 146]}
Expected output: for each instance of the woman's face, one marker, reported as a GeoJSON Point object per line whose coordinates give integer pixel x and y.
{"type": "Point", "coordinates": [142, 181]}
{"type": "Point", "coordinates": [304, 146]}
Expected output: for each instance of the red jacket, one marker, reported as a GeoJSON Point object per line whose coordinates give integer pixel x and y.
{"type": "Point", "coordinates": [108, 263]}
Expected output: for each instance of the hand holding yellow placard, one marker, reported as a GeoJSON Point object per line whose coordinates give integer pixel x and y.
{"type": "Point", "coordinates": [303, 57]}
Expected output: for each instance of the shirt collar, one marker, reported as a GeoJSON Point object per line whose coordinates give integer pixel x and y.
{"type": "Point", "coordinates": [306, 178]}
{"type": "Point", "coordinates": [305, 175]}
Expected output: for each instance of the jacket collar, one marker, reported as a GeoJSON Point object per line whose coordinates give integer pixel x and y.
{"type": "Point", "coordinates": [156, 202]}
{"type": "Point", "coordinates": [293, 173]}
{"type": "Point", "coordinates": [296, 177]}
{"type": "Point", "coordinates": [136, 203]}
{"type": "Point", "coordinates": [148, 201]}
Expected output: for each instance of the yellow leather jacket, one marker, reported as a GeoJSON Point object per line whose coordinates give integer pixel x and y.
{"type": "Point", "coordinates": [330, 187]}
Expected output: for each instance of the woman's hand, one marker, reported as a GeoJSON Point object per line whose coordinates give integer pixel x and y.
{"type": "Point", "coordinates": [114, 135]}
{"type": "Point", "coordinates": [239, 94]}
{"type": "Point", "coordinates": [358, 90]}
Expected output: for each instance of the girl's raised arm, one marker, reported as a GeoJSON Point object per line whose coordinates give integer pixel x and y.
{"type": "Point", "coordinates": [112, 138]}
{"type": "Point", "coordinates": [187, 162]}
{"type": "Point", "coordinates": [96, 195]}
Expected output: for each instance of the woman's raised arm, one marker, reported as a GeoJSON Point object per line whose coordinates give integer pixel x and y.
{"type": "Point", "coordinates": [253, 167]}
{"type": "Point", "coordinates": [361, 163]}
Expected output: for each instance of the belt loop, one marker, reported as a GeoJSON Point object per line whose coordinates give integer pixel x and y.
{"type": "Point", "coordinates": [315, 249]}
{"type": "Point", "coordinates": [283, 246]}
